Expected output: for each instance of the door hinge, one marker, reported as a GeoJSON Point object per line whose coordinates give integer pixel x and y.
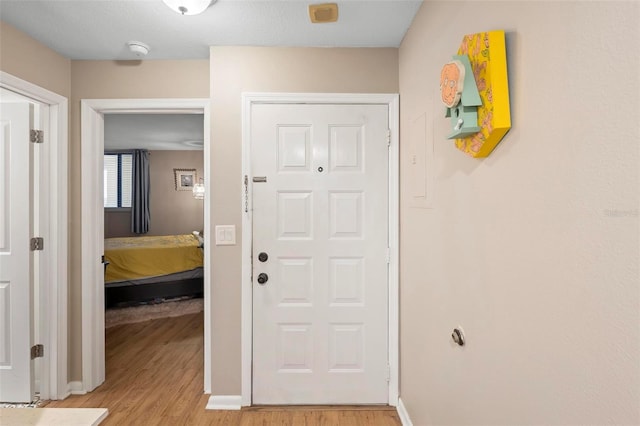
{"type": "Point", "coordinates": [37, 243]}
{"type": "Point", "coordinates": [388, 137]}
{"type": "Point", "coordinates": [37, 351]}
{"type": "Point", "coordinates": [388, 255]}
{"type": "Point", "coordinates": [36, 136]}
{"type": "Point", "coordinates": [388, 373]}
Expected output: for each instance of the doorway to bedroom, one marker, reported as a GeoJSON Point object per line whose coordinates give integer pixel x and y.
{"type": "Point", "coordinates": [145, 215]}
{"type": "Point", "coordinates": [153, 185]}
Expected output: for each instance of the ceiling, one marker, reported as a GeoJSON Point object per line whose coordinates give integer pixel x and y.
{"type": "Point", "coordinates": [175, 132]}
{"type": "Point", "coordinates": [100, 29]}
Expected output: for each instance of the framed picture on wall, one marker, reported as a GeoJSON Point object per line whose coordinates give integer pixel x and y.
{"type": "Point", "coordinates": [184, 179]}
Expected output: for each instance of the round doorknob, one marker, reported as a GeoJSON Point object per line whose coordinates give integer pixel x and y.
{"type": "Point", "coordinates": [262, 257]}
{"type": "Point", "coordinates": [263, 278]}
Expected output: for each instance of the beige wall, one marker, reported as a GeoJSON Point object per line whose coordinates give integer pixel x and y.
{"type": "Point", "coordinates": [258, 69]}
{"type": "Point", "coordinates": [115, 80]}
{"type": "Point", "coordinates": [533, 250]}
{"type": "Point", "coordinates": [172, 212]}
{"type": "Point", "coordinates": [24, 57]}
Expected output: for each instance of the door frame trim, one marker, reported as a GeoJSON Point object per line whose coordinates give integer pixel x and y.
{"type": "Point", "coordinates": [92, 148]}
{"type": "Point", "coordinates": [393, 103]}
{"type": "Point", "coordinates": [53, 328]}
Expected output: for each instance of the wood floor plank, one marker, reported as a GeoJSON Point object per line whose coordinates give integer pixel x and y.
{"type": "Point", "coordinates": [154, 376]}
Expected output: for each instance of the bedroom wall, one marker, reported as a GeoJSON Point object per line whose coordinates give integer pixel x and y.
{"type": "Point", "coordinates": [265, 69]}
{"type": "Point", "coordinates": [534, 250]}
{"type": "Point", "coordinates": [41, 66]}
{"type": "Point", "coordinates": [115, 80]}
{"type": "Point", "coordinates": [172, 212]}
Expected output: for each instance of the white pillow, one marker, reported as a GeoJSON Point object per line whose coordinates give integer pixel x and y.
{"type": "Point", "coordinates": [200, 237]}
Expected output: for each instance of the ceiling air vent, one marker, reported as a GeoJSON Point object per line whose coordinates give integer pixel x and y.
{"type": "Point", "coordinates": [322, 13]}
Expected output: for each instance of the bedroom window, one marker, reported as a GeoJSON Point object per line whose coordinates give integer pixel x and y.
{"type": "Point", "coordinates": [117, 180]}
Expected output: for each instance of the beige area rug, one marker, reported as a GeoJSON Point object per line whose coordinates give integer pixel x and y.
{"type": "Point", "coordinates": [52, 416]}
{"type": "Point", "coordinates": [117, 316]}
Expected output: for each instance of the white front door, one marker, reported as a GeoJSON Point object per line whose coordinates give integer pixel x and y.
{"type": "Point", "coordinates": [16, 273]}
{"type": "Point", "coordinates": [320, 215]}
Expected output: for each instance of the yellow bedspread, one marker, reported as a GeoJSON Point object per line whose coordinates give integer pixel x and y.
{"type": "Point", "coordinates": [143, 257]}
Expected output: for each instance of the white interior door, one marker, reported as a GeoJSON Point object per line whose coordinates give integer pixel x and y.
{"type": "Point", "coordinates": [320, 321]}
{"type": "Point", "coordinates": [16, 272]}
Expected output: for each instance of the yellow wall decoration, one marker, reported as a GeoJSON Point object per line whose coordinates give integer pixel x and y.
{"type": "Point", "coordinates": [488, 58]}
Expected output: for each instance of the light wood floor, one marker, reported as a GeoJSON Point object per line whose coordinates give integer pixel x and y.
{"type": "Point", "coordinates": [155, 377]}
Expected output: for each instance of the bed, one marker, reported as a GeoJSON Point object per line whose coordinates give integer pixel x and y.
{"type": "Point", "coordinates": [144, 269]}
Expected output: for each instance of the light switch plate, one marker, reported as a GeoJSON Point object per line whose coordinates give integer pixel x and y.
{"type": "Point", "coordinates": [225, 235]}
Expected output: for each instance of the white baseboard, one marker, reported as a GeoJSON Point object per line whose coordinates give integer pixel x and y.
{"type": "Point", "coordinates": [403, 414]}
{"type": "Point", "coordinates": [64, 395]}
{"type": "Point", "coordinates": [224, 402]}
{"type": "Point", "coordinates": [76, 388]}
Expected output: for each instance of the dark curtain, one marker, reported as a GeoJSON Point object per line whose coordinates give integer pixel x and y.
{"type": "Point", "coordinates": [140, 216]}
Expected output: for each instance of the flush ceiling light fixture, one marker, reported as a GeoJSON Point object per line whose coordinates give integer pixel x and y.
{"type": "Point", "coordinates": [189, 7]}
{"type": "Point", "coordinates": [194, 143]}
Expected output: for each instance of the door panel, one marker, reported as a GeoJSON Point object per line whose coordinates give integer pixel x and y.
{"type": "Point", "coordinates": [16, 280]}
{"type": "Point", "coordinates": [320, 320]}
{"type": "Point", "coordinates": [345, 214]}
{"type": "Point", "coordinates": [295, 215]}
{"type": "Point", "coordinates": [294, 152]}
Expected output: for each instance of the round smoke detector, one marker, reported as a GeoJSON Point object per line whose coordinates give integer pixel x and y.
{"type": "Point", "coordinates": [138, 48]}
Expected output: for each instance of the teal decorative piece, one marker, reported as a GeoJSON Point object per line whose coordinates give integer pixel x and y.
{"type": "Point", "coordinates": [460, 94]}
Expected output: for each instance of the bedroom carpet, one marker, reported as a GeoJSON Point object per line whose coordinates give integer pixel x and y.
{"type": "Point", "coordinates": [130, 315]}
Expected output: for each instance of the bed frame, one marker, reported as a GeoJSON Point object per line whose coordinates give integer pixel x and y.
{"type": "Point", "coordinates": [136, 294]}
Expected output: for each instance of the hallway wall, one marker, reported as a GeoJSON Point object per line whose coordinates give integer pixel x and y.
{"type": "Point", "coordinates": [265, 69]}
{"type": "Point", "coordinates": [534, 250]}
